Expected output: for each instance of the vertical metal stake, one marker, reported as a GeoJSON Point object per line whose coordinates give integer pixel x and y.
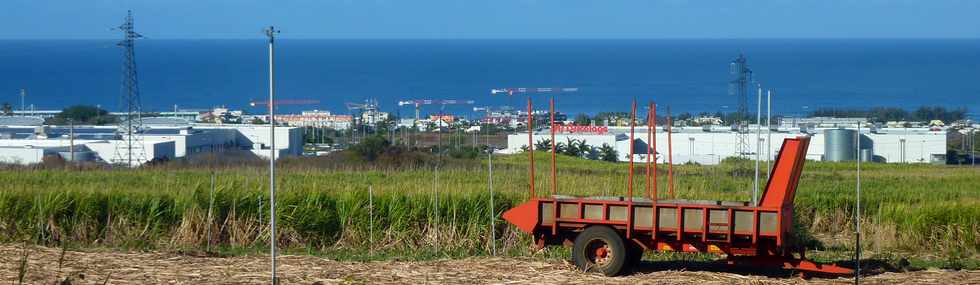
{"type": "Point", "coordinates": [271, 33]}
{"type": "Point", "coordinates": [371, 218]}
{"type": "Point", "coordinates": [857, 212]}
{"type": "Point", "coordinates": [493, 214]}
{"type": "Point", "coordinates": [210, 210]}
{"type": "Point", "coordinates": [768, 133]}
{"type": "Point", "coordinates": [758, 147]}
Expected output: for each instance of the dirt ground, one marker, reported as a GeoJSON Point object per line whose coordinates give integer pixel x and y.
{"type": "Point", "coordinates": [51, 266]}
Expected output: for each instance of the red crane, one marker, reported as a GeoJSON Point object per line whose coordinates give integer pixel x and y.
{"type": "Point", "coordinates": [419, 102]}
{"type": "Point", "coordinates": [511, 91]}
{"type": "Point", "coordinates": [255, 103]}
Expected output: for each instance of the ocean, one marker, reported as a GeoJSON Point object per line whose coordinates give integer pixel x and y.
{"type": "Point", "coordinates": [688, 75]}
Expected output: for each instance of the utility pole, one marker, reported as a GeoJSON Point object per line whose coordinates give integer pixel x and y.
{"type": "Point", "coordinates": [691, 160]}
{"type": "Point", "coordinates": [71, 139]}
{"type": "Point", "coordinates": [23, 93]}
{"type": "Point", "coordinates": [493, 213]}
{"type": "Point", "coordinates": [857, 212]}
{"type": "Point", "coordinates": [973, 147]}
{"type": "Point", "coordinates": [271, 33]}
{"type": "Point", "coordinates": [758, 147]}
{"type": "Point", "coordinates": [902, 148]}
{"type": "Point", "coordinates": [768, 132]}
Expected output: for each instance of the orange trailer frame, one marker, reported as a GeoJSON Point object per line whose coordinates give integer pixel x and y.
{"type": "Point", "coordinates": [761, 235]}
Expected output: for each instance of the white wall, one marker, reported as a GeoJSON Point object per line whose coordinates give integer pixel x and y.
{"type": "Point", "coordinates": [517, 141]}
{"type": "Point", "coordinates": [287, 138]}
{"type": "Point", "coordinates": [107, 150]}
{"type": "Point", "coordinates": [712, 147]}
{"type": "Point", "coordinates": [19, 155]}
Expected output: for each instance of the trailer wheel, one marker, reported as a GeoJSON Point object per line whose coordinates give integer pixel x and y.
{"type": "Point", "coordinates": [600, 249]}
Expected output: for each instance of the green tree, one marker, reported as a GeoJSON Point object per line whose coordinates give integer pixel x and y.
{"type": "Point", "coordinates": [83, 114]}
{"type": "Point", "coordinates": [7, 109]}
{"type": "Point", "coordinates": [577, 148]}
{"type": "Point", "coordinates": [582, 119]}
{"type": "Point", "coordinates": [371, 147]}
{"type": "Point", "coordinates": [544, 144]}
{"type": "Point", "coordinates": [608, 153]}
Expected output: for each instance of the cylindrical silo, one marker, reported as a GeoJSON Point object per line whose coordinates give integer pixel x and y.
{"type": "Point", "coordinates": [839, 145]}
{"type": "Point", "coordinates": [79, 155]}
{"type": "Point", "coordinates": [867, 155]}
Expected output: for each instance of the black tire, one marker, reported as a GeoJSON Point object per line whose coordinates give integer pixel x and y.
{"type": "Point", "coordinates": [600, 249]}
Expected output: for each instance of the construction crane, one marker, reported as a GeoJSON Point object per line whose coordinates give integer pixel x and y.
{"type": "Point", "coordinates": [511, 91]}
{"type": "Point", "coordinates": [370, 106]}
{"type": "Point", "coordinates": [419, 102]}
{"type": "Point", "coordinates": [490, 110]}
{"type": "Point", "coordinates": [493, 109]}
{"type": "Point", "coordinates": [255, 103]}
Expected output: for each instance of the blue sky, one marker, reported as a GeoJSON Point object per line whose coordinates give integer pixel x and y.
{"type": "Point", "coordinates": [497, 18]}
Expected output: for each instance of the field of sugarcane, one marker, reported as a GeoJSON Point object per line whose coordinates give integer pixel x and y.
{"type": "Point", "coordinates": [924, 213]}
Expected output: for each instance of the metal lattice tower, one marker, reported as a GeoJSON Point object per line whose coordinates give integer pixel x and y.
{"type": "Point", "coordinates": [131, 151]}
{"type": "Point", "coordinates": [739, 86]}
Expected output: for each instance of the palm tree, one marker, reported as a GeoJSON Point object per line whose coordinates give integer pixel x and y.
{"type": "Point", "coordinates": [544, 144]}
{"type": "Point", "coordinates": [7, 109]}
{"type": "Point", "coordinates": [608, 153]}
{"type": "Point", "coordinates": [576, 148]}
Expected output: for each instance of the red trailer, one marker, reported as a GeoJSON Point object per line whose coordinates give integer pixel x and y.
{"type": "Point", "coordinates": [609, 234]}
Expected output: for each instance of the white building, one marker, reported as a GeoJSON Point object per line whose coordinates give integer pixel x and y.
{"type": "Point", "coordinates": [20, 144]}
{"type": "Point", "coordinates": [712, 145]}
{"type": "Point", "coordinates": [316, 118]}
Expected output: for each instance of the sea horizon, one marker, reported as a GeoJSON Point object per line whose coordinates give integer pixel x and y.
{"type": "Point", "coordinates": [690, 75]}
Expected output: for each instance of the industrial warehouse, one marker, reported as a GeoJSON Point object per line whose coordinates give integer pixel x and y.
{"type": "Point", "coordinates": [710, 145]}
{"type": "Point", "coordinates": [27, 141]}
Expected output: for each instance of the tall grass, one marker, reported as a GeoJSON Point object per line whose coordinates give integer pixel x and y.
{"type": "Point", "coordinates": [913, 208]}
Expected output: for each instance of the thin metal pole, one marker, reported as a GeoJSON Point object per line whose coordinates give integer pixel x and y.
{"type": "Point", "coordinates": [210, 209]}
{"type": "Point", "coordinates": [71, 139]}
{"type": "Point", "coordinates": [857, 212]}
{"type": "Point", "coordinates": [271, 33]}
{"type": "Point", "coordinates": [629, 189]}
{"type": "Point", "coordinates": [629, 194]}
{"type": "Point", "coordinates": [670, 154]}
{"type": "Point", "coordinates": [554, 155]}
{"type": "Point", "coordinates": [23, 108]}
{"type": "Point", "coordinates": [654, 140]}
{"type": "Point", "coordinates": [493, 214]}
{"type": "Point", "coordinates": [371, 217]}
{"type": "Point", "coordinates": [758, 144]}
{"type": "Point", "coordinates": [691, 158]}
{"type": "Point", "coordinates": [769, 133]}
{"type": "Point", "coordinates": [530, 143]}
{"type": "Point", "coordinates": [649, 153]}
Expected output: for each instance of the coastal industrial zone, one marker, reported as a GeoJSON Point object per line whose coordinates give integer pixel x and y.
{"type": "Point", "coordinates": [26, 138]}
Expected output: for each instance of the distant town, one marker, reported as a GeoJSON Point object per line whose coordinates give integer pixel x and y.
{"type": "Point", "coordinates": [79, 133]}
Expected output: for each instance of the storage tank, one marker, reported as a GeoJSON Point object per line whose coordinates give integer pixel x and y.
{"type": "Point", "coordinates": [839, 145]}
{"type": "Point", "coordinates": [79, 155]}
{"type": "Point", "coordinates": [867, 155]}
